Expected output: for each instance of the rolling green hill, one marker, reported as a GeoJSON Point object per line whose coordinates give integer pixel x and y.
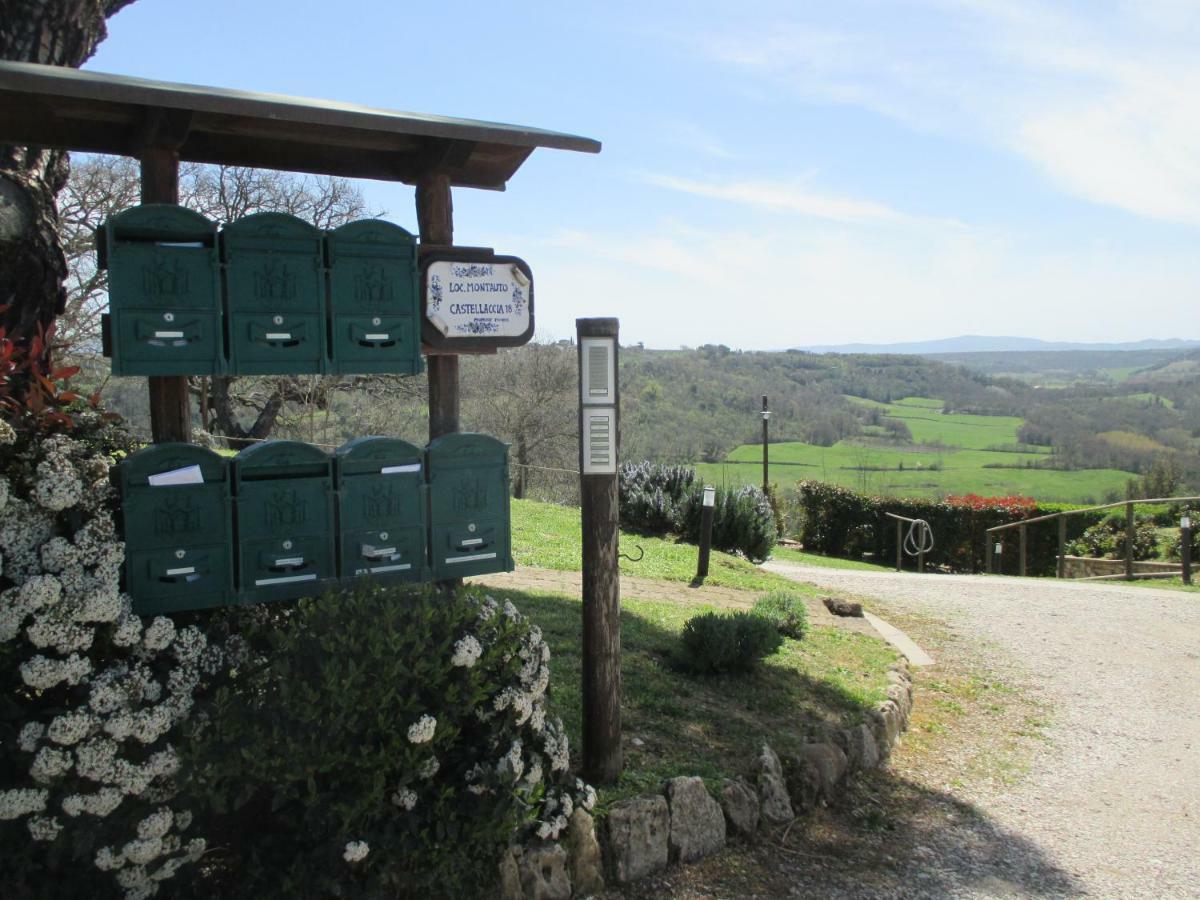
{"type": "Point", "coordinates": [950, 453]}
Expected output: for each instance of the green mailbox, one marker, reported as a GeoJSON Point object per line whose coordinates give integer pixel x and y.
{"type": "Point", "coordinates": [381, 510]}
{"type": "Point", "coordinates": [374, 309]}
{"type": "Point", "coordinates": [468, 506]}
{"type": "Point", "coordinates": [164, 292]}
{"type": "Point", "coordinates": [274, 295]}
{"type": "Point", "coordinates": [178, 528]}
{"type": "Point", "coordinates": [284, 514]}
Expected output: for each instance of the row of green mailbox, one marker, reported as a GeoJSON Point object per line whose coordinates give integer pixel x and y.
{"type": "Point", "coordinates": [267, 295]}
{"type": "Point", "coordinates": [284, 519]}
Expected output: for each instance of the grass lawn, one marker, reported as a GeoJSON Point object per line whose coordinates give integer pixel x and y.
{"type": "Point", "coordinates": [785, 554]}
{"type": "Point", "coordinates": [548, 536]}
{"type": "Point", "coordinates": [710, 726]}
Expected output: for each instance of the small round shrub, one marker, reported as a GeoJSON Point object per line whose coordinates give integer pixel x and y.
{"type": "Point", "coordinates": [729, 642]}
{"type": "Point", "coordinates": [384, 742]}
{"type": "Point", "coordinates": [1106, 539]}
{"type": "Point", "coordinates": [786, 611]}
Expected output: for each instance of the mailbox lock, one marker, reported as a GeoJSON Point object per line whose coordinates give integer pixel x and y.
{"type": "Point", "coordinates": [376, 320]}
{"type": "Point", "coordinates": [471, 528]}
{"type": "Point", "coordinates": [277, 320]}
{"type": "Point", "coordinates": [168, 317]}
{"type": "Point", "coordinates": [180, 554]}
{"type": "Point", "coordinates": [383, 535]}
{"type": "Point", "coordinates": [287, 545]}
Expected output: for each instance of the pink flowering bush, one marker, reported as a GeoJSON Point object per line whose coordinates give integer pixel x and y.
{"type": "Point", "coordinates": [379, 743]}
{"type": "Point", "coordinates": [92, 697]}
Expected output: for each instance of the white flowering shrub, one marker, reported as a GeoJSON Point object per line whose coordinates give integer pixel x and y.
{"type": "Point", "coordinates": [91, 697]}
{"type": "Point", "coordinates": [383, 742]}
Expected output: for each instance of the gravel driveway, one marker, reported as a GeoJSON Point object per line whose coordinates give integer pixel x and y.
{"type": "Point", "coordinates": [1111, 806]}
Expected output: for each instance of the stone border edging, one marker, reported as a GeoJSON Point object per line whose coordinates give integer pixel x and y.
{"type": "Point", "coordinates": [683, 822]}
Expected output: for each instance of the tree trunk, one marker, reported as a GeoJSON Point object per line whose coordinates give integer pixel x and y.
{"type": "Point", "coordinates": [32, 265]}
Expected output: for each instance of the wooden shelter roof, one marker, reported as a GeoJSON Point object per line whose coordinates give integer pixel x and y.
{"type": "Point", "coordinates": [53, 106]}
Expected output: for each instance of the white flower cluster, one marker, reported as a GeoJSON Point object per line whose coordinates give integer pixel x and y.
{"type": "Point", "coordinates": [356, 851]}
{"type": "Point", "coordinates": [103, 747]}
{"type": "Point", "coordinates": [405, 798]}
{"type": "Point", "coordinates": [467, 651]}
{"type": "Point", "coordinates": [421, 731]}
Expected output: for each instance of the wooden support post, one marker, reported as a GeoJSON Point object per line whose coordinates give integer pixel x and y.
{"type": "Point", "coordinates": [921, 553]}
{"type": "Point", "coordinates": [706, 524]}
{"type": "Point", "coordinates": [1129, 541]}
{"type": "Point", "coordinates": [899, 547]}
{"type": "Point", "coordinates": [987, 551]}
{"type": "Point", "coordinates": [1061, 568]}
{"type": "Point", "coordinates": [435, 222]}
{"type": "Point", "coordinates": [1024, 549]}
{"type": "Point", "coordinates": [601, 581]}
{"type": "Point", "coordinates": [1185, 554]}
{"type": "Point", "coordinates": [766, 431]}
{"type": "Point", "coordinates": [170, 409]}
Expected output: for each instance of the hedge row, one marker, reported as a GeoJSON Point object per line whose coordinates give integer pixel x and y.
{"type": "Point", "coordinates": [839, 522]}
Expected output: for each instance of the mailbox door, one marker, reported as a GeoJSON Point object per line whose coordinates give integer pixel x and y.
{"type": "Point", "coordinates": [372, 269]}
{"type": "Point", "coordinates": [390, 554]}
{"type": "Point", "coordinates": [274, 569]}
{"type": "Point", "coordinates": [160, 275]}
{"type": "Point", "coordinates": [179, 579]}
{"type": "Point", "coordinates": [275, 290]}
{"type": "Point", "coordinates": [177, 528]}
{"type": "Point", "coordinates": [160, 255]}
{"type": "Point", "coordinates": [376, 343]}
{"type": "Point", "coordinates": [473, 548]}
{"type": "Point", "coordinates": [468, 506]}
{"type": "Point", "coordinates": [167, 342]}
{"type": "Point", "coordinates": [277, 343]}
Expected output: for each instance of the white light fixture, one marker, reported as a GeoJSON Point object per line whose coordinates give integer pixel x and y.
{"type": "Point", "coordinates": [710, 495]}
{"type": "Point", "coordinates": [1185, 522]}
{"type": "Point", "coordinates": [999, 548]}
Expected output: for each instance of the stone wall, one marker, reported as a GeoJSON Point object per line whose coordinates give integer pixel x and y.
{"type": "Point", "coordinates": [1090, 567]}
{"type": "Point", "coordinates": [684, 822]}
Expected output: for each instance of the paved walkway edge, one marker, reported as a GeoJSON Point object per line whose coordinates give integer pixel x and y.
{"type": "Point", "coordinates": [901, 641]}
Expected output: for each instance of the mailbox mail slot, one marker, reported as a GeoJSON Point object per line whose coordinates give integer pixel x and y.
{"type": "Point", "coordinates": [373, 301]}
{"type": "Point", "coordinates": [284, 516]}
{"type": "Point", "coordinates": [164, 292]}
{"type": "Point", "coordinates": [178, 528]}
{"type": "Point", "coordinates": [381, 510]}
{"type": "Point", "coordinates": [275, 290]}
{"type": "Point", "coordinates": [470, 531]}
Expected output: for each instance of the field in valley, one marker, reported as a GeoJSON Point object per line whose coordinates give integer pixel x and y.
{"type": "Point", "coordinates": [950, 453]}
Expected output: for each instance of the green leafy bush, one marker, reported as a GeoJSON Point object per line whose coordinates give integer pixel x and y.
{"type": "Point", "coordinates": [786, 611]}
{"type": "Point", "coordinates": [743, 521]}
{"type": "Point", "coordinates": [1106, 540]}
{"type": "Point", "coordinates": [658, 499]}
{"type": "Point", "coordinates": [383, 742]}
{"type": "Point", "coordinates": [653, 497]}
{"type": "Point", "coordinates": [729, 642]}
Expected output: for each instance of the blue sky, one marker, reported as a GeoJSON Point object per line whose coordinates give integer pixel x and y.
{"type": "Point", "coordinates": [779, 174]}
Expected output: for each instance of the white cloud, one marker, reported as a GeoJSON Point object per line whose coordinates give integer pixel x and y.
{"type": "Point", "coordinates": [785, 196]}
{"type": "Point", "coordinates": [1104, 101]}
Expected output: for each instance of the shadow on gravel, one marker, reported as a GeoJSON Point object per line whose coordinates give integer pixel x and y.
{"type": "Point", "coordinates": [886, 838]}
